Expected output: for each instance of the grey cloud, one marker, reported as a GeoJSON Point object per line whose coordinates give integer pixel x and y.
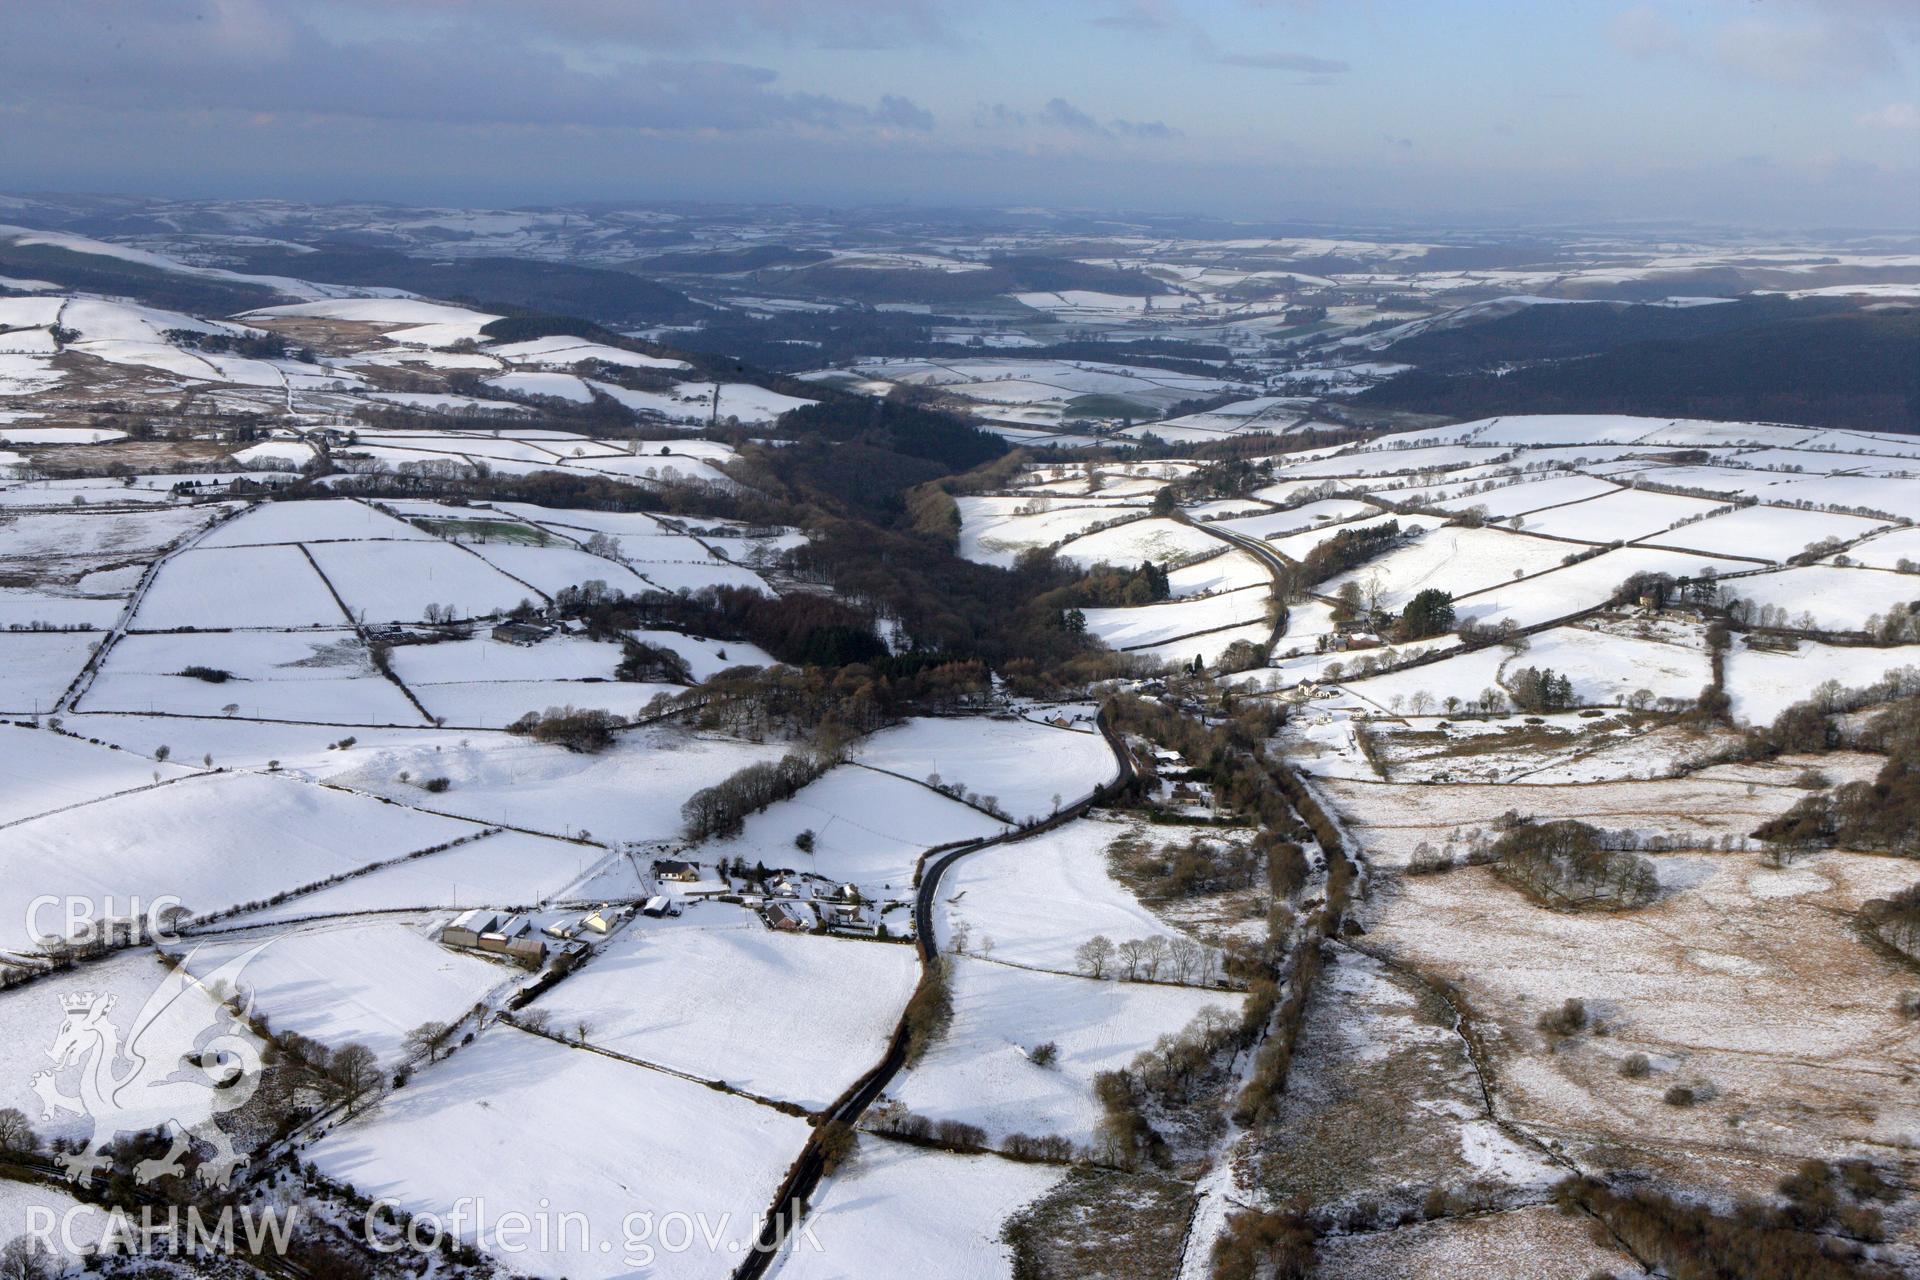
{"type": "Point", "coordinates": [1146, 130]}
{"type": "Point", "coordinates": [255, 59]}
{"type": "Point", "coordinates": [998, 115]}
{"type": "Point", "coordinates": [1060, 116]}
{"type": "Point", "coordinates": [1069, 117]}
{"type": "Point", "coordinates": [903, 113]}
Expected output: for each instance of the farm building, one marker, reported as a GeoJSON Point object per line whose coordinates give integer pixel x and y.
{"type": "Point", "coordinates": [522, 633]}
{"type": "Point", "coordinates": [466, 928]}
{"type": "Point", "coordinates": [483, 930]}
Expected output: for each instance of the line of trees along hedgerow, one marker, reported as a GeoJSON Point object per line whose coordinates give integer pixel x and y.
{"type": "Point", "coordinates": [1232, 758]}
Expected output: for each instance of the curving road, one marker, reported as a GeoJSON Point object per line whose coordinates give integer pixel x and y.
{"type": "Point", "coordinates": [790, 1200]}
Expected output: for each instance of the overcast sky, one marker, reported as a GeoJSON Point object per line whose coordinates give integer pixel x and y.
{"type": "Point", "coordinates": [1781, 113]}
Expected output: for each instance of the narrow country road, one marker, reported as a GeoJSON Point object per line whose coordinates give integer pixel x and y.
{"type": "Point", "coordinates": [803, 1179]}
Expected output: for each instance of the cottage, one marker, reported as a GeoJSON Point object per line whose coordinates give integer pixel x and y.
{"type": "Point", "coordinates": [596, 921]}
{"type": "Point", "coordinates": [680, 872]}
{"type": "Point", "coordinates": [789, 917]}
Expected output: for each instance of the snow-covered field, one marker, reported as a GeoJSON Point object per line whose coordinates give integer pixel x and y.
{"type": "Point", "coordinates": [1456, 560]}
{"type": "Point", "coordinates": [1149, 625]}
{"type": "Point", "coordinates": [41, 771]}
{"type": "Point", "coordinates": [979, 1072]}
{"type": "Point", "coordinates": [899, 1210]}
{"type": "Point", "coordinates": [1887, 550]}
{"type": "Point", "coordinates": [502, 869]}
{"type": "Point", "coordinates": [322, 677]}
{"type": "Point", "coordinates": [1607, 666]}
{"type": "Point", "coordinates": [31, 1018]}
{"type": "Point", "coordinates": [552, 569]}
{"type": "Point", "coordinates": [1768, 533]}
{"type": "Point", "coordinates": [1765, 682]}
{"type": "Point", "coordinates": [995, 530]}
{"type": "Point", "coordinates": [238, 587]}
{"type": "Point", "coordinates": [717, 994]}
{"type": "Point", "coordinates": [632, 791]}
{"type": "Point", "coordinates": [1029, 769]}
{"type": "Point", "coordinates": [36, 666]}
{"type": "Point", "coordinates": [1622, 516]}
{"type": "Point", "coordinates": [396, 581]}
{"type": "Point", "coordinates": [1833, 598]}
{"type": "Point", "coordinates": [1311, 515]}
{"type": "Point", "coordinates": [1228, 571]}
{"type": "Point", "coordinates": [481, 658]}
{"type": "Point", "coordinates": [869, 829]}
{"type": "Point", "coordinates": [1162, 541]}
{"type": "Point", "coordinates": [212, 841]}
{"type": "Point", "coordinates": [538, 1128]}
{"type": "Point", "coordinates": [1578, 587]}
{"type": "Point", "coordinates": [368, 982]}
{"type": "Point", "coordinates": [333, 520]}
{"type": "Point", "coordinates": [1039, 899]}
{"type": "Point", "coordinates": [1528, 495]}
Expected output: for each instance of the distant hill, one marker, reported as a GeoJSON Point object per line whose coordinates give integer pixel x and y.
{"type": "Point", "coordinates": [117, 277]}
{"type": "Point", "coordinates": [613, 298]}
{"type": "Point", "coordinates": [723, 261]}
{"type": "Point", "coordinates": [1561, 332]}
{"type": "Point", "coordinates": [1012, 274]}
{"type": "Point", "coordinates": [1856, 369]}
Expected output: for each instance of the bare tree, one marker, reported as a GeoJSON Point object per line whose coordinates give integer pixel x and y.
{"type": "Point", "coordinates": [1094, 955]}
{"type": "Point", "coordinates": [16, 1134]}
{"type": "Point", "coordinates": [355, 1074]}
{"type": "Point", "coordinates": [428, 1038]}
{"type": "Point", "coordinates": [1184, 954]}
{"type": "Point", "coordinates": [1153, 956]}
{"type": "Point", "coordinates": [26, 1258]}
